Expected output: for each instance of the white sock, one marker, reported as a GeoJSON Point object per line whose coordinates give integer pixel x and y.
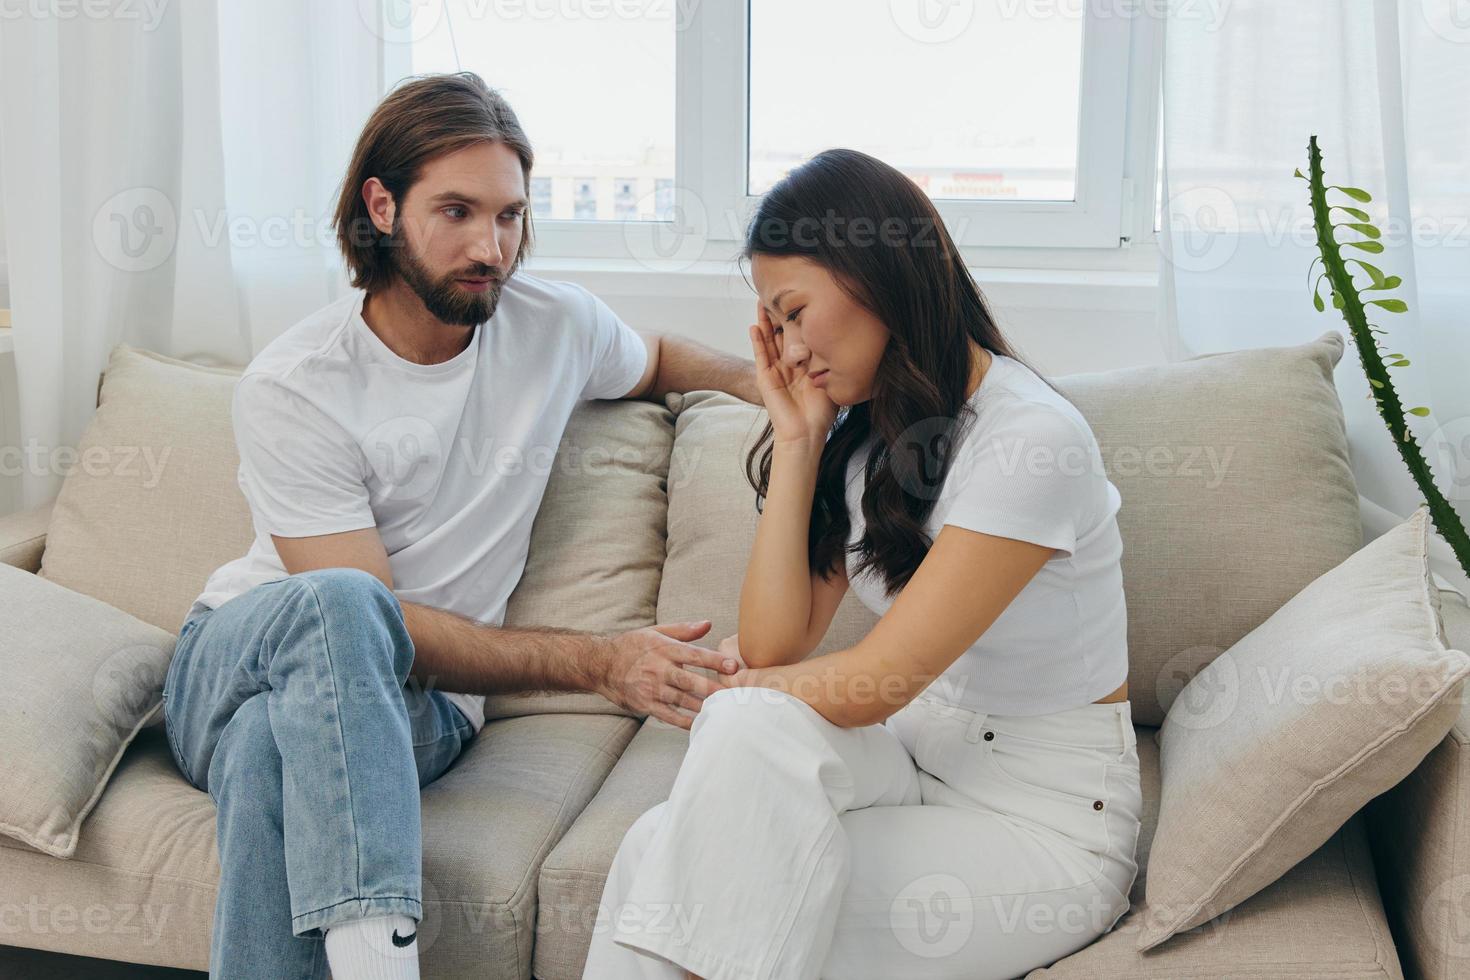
{"type": "Point", "coordinates": [364, 949]}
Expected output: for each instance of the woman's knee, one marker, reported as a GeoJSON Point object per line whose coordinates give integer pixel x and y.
{"type": "Point", "coordinates": [736, 710]}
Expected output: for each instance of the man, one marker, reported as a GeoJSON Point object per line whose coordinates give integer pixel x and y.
{"type": "Point", "coordinates": [390, 532]}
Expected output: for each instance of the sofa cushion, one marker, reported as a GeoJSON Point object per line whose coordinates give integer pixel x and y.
{"type": "Point", "coordinates": [1274, 745]}
{"type": "Point", "coordinates": [597, 547]}
{"type": "Point", "coordinates": [1420, 831]}
{"type": "Point", "coordinates": [81, 679]}
{"type": "Point", "coordinates": [712, 520]}
{"type": "Point", "coordinates": [1322, 918]}
{"type": "Point", "coordinates": [1237, 492]}
{"type": "Point", "coordinates": [573, 875]}
{"type": "Point", "coordinates": [157, 509]}
{"type": "Point", "coordinates": [142, 884]}
{"type": "Point", "coordinates": [23, 537]}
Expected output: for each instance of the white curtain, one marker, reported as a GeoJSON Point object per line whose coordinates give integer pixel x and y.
{"type": "Point", "coordinates": [1385, 87]}
{"type": "Point", "coordinates": [169, 171]}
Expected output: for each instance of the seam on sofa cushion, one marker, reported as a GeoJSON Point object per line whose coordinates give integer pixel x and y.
{"type": "Point", "coordinates": [1442, 950]}
{"type": "Point", "coordinates": [533, 872]}
{"type": "Point", "coordinates": [152, 875]}
{"type": "Point", "coordinates": [23, 547]}
{"type": "Point", "coordinates": [1358, 893]}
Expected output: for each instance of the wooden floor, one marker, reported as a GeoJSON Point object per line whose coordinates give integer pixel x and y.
{"type": "Point", "coordinates": [32, 964]}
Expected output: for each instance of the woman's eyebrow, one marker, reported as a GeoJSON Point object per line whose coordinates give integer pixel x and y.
{"type": "Point", "coordinates": [775, 306]}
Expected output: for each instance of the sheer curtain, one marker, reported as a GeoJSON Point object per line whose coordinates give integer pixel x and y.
{"type": "Point", "coordinates": [168, 177]}
{"type": "Point", "coordinates": [1384, 85]}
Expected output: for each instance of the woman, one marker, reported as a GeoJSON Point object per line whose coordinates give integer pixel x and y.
{"type": "Point", "coordinates": [956, 796]}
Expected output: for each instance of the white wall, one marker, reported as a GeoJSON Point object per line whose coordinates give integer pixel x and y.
{"type": "Point", "coordinates": [9, 432]}
{"type": "Point", "coordinates": [4, 274]}
{"type": "Point", "coordinates": [1063, 321]}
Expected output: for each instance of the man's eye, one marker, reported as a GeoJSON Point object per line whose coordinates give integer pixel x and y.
{"type": "Point", "coordinates": [794, 313]}
{"type": "Point", "coordinates": [453, 208]}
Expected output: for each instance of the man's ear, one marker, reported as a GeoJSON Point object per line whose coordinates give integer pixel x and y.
{"type": "Point", "coordinates": [381, 207]}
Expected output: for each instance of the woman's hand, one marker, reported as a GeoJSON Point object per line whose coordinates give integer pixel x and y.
{"type": "Point", "coordinates": [730, 647]}
{"type": "Point", "coordinates": [752, 677]}
{"type": "Point", "coordinates": [801, 414]}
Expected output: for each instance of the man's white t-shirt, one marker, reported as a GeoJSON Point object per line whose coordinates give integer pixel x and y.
{"type": "Point", "coordinates": [1029, 468]}
{"type": "Point", "coordinates": [449, 461]}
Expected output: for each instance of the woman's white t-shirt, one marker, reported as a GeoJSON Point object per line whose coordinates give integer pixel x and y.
{"type": "Point", "coordinates": [1028, 468]}
{"type": "Point", "coordinates": [448, 461]}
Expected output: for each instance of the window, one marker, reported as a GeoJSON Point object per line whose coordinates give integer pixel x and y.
{"type": "Point", "coordinates": [660, 121]}
{"type": "Point", "coordinates": [584, 201]}
{"type": "Point", "coordinates": [592, 87]}
{"type": "Point", "coordinates": [541, 196]}
{"type": "Point", "coordinates": [950, 115]}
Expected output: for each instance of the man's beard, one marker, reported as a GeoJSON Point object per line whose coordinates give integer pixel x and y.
{"type": "Point", "coordinates": [445, 298]}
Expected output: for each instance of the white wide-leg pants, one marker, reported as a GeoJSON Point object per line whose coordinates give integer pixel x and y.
{"type": "Point", "coordinates": [943, 843]}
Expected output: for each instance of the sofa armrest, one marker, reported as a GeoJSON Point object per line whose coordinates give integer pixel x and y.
{"type": "Point", "coordinates": [23, 538]}
{"type": "Point", "coordinates": [1420, 835]}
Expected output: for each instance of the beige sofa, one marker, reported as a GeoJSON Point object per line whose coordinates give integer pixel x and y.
{"type": "Point", "coordinates": [648, 519]}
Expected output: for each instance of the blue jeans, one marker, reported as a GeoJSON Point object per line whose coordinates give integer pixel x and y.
{"type": "Point", "coordinates": [290, 705]}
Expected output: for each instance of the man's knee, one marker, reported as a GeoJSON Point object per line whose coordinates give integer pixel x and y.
{"type": "Point", "coordinates": [360, 614]}
{"type": "Point", "coordinates": [246, 760]}
{"type": "Point", "coordinates": [348, 590]}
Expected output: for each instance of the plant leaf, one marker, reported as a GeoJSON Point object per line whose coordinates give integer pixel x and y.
{"type": "Point", "coordinates": [1391, 305]}
{"type": "Point", "coordinates": [1375, 382]}
{"type": "Point", "coordinates": [1356, 193]}
{"type": "Point", "coordinates": [1358, 213]}
{"type": "Point", "coordinates": [1388, 283]}
{"type": "Point", "coordinates": [1374, 273]}
{"type": "Point", "coordinates": [1402, 362]}
{"type": "Point", "coordinates": [1317, 302]}
{"type": "Point", "coordinates": [1421, 411]}
{"type": "Point", "coordinates": [1366, 246]}
{"type": "Point", "coordinates": [1369, 230]}
{"type": "Point", "coordinates": [1298, 173]}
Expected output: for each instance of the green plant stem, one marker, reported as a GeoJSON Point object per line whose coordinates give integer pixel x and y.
{"type": "Point", "coordinates": [1385, 396]}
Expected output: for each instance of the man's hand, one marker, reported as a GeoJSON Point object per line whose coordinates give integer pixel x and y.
{"type": "Point", "coordinates": [647, 671]}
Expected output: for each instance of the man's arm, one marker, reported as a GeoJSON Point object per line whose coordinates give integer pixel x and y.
{"type": "Point", "coordinates": [643, 670]}
{"type": "Point", "coordinates": [679, 364]}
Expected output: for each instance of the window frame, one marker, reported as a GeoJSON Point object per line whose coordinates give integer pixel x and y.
{"type": "Point", "coordinates": [1101, 229]}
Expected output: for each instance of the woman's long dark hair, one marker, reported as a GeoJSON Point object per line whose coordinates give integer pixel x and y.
{"type": "Point", "coordinates": [882, 240]}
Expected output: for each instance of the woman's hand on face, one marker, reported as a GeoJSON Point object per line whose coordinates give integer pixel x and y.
{"type": "Point", "coordinates": [801, 414]}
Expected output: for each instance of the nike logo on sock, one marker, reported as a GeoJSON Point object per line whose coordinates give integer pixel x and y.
{"type": "Point", "coordinates": [402, 941]}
